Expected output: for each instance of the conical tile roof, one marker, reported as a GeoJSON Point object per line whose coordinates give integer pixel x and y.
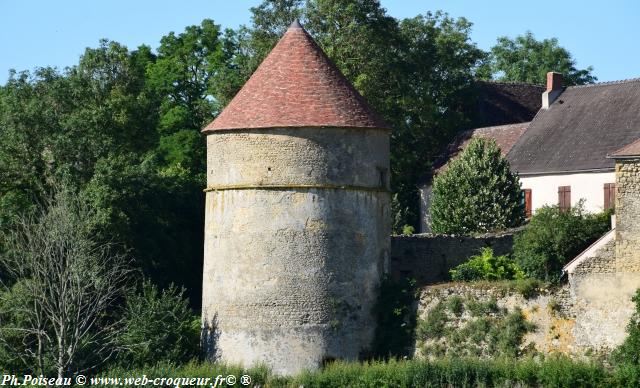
{"type": "Point", "coordinates": [297, 86]}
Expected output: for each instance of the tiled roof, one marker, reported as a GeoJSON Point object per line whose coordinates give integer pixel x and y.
{"type": "Point", "coordinates": [632, 149]}
{"type": "Point", "coordinates": [582, 126]}
{"type": "Point", "coordinates": [504, 135]}
{"type": "Point", "coordinates": [502, 103]}
{"type": "Point", "coordinates": [297, 86]}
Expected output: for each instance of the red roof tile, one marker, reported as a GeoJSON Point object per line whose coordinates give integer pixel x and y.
{"type": "Point", "coordinates": [297, 86]}
{"type": "Point", "coordinates": [505, 137]}
{"type": "Point", "coordinates": [632, 149]}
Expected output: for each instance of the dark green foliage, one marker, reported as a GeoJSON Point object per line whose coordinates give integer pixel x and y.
{"type": "Point", "coordinates": [477, 193]}
{"type": "Point", "coordinates": [486, 266]}
{"type": "Point", "coordinates": [455, 304]}
{"type": "Point", "coordinates": [15, 317]}
{"type": "Point", "coordinates": [158, 213]}
{"type": "Point", "coordinates": [554, 237]}
{"type": "Point", "coordinates": [478, 308]}
{"type": "Point", "coordinates": [158, 326]}
{"type": "Point", "coordinates": [395, 318]}
{"type": "Point", "coordinates": [527, 287]}
{"type": "Point", "coordinates": [435, 324]}
{"type": "Point", "coordinates": [525, 59]}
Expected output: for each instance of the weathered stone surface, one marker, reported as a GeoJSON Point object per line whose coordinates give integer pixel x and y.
{"type": "Point", "coordinates": [299, 156]}
{"type": "Point", "coordinates": [628, 215]}
{"type": "Point", "coordinates": [296, 240]}
{"type": "Point", "coordinates": [604, 261]}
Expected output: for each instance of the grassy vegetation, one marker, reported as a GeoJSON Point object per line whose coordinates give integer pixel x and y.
{"type": "Point", "coordinates": [448, 372]}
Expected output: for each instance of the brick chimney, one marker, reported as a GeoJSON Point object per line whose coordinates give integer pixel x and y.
{"type": "Point", "coordinates": [554, 89]}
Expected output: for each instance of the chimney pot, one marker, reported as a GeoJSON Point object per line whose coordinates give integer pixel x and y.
{"type": "Point", "coordinates": [554, 81]}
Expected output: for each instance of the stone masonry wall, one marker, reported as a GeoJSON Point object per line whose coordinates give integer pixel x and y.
{"type": "Point", "coordinates": [628, 215]}
{"type": "Point", "coordinates": [604, 262]}
{"type": "Point", "coordinates": [428, 258]}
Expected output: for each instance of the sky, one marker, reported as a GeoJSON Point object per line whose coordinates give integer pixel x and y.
{"type": "Point", "coordinates": [35, 33]}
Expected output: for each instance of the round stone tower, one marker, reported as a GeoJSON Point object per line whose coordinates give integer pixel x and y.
{"type": "Point", "coordinates": [297, 215]}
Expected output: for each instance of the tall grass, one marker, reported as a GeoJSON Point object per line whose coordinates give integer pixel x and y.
{"type": "Point", "coordinates": [458, 372]}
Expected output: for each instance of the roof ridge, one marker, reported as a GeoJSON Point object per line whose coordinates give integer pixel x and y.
{"type": "Point", "coordinates": [605, 83]}
{"type": "Point", "coordinates": [509, 83]}
{"type": "Point", "coordinates": [502, 125]}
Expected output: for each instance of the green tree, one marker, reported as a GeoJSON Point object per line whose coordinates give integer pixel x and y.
{"type": "Point", "coordinates": [477, 193]}
{"type": "Point", "coordinates": [182, 79]}
{"type": "Point", "coordinates": [526, 59]}
{"type": "Point", "coordinates": [553, 237]}
{"type": "Point", "coordinates": [157, 326]}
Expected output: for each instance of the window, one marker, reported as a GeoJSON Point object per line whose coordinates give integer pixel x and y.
{"type": "Point", "coordinates": [564, 197]}
{"type": "Point", "coordinates": [526, 198]}
{"type": "Point", "coordinates": [609, 196]}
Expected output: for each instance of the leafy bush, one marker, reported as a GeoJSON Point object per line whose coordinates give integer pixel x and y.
{"type": "Point", "coordinates": [408, 230]}
{"type": "Point", "coordinates": [554, 237]}
{"type": "Point", "coordinates": [486, 266]}
{"type": "Point", "coordinates": [477, 193]}
{"type": "Point", "coordinates": [159, 326]}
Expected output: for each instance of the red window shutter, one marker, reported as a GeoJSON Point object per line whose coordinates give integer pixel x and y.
{"type": "Point", "coordinates": [609, 195]}
{"type": "Point", "coordinates": [564, 197]}
{"type": "Point", "coordinates": [527, 203]}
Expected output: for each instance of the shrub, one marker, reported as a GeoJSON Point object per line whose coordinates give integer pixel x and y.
{"type": "Point", "coordinates": [486, 266]}
{"type": "Point", "coordinates": [477, 193]}
{"type": "Point", "coordinates": [158, 326]}
{"type": "Point", "coordinates": [554, 237]}
{"type": "Point", "coordinates": [408, 230]}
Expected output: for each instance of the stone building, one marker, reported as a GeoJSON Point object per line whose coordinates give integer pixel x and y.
{"type": "Point", "coordinates": [604, 277]}
{"type": "Point", "coordinates": [297, 215]}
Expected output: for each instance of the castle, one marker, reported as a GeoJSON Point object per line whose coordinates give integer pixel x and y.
{"type": "Point", "coordinates": [297, 215]}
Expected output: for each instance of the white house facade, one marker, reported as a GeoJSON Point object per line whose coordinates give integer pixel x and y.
{"type": "Point", "coordinates": [595, 189]}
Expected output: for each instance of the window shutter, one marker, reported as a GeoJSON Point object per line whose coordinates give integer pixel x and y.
{"type": "Point", "coordinates": [564, 197]}
{"type": "Point", "coordinates": [609, 195]}
{"type": "Point", "coordinates": [527, 203]}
